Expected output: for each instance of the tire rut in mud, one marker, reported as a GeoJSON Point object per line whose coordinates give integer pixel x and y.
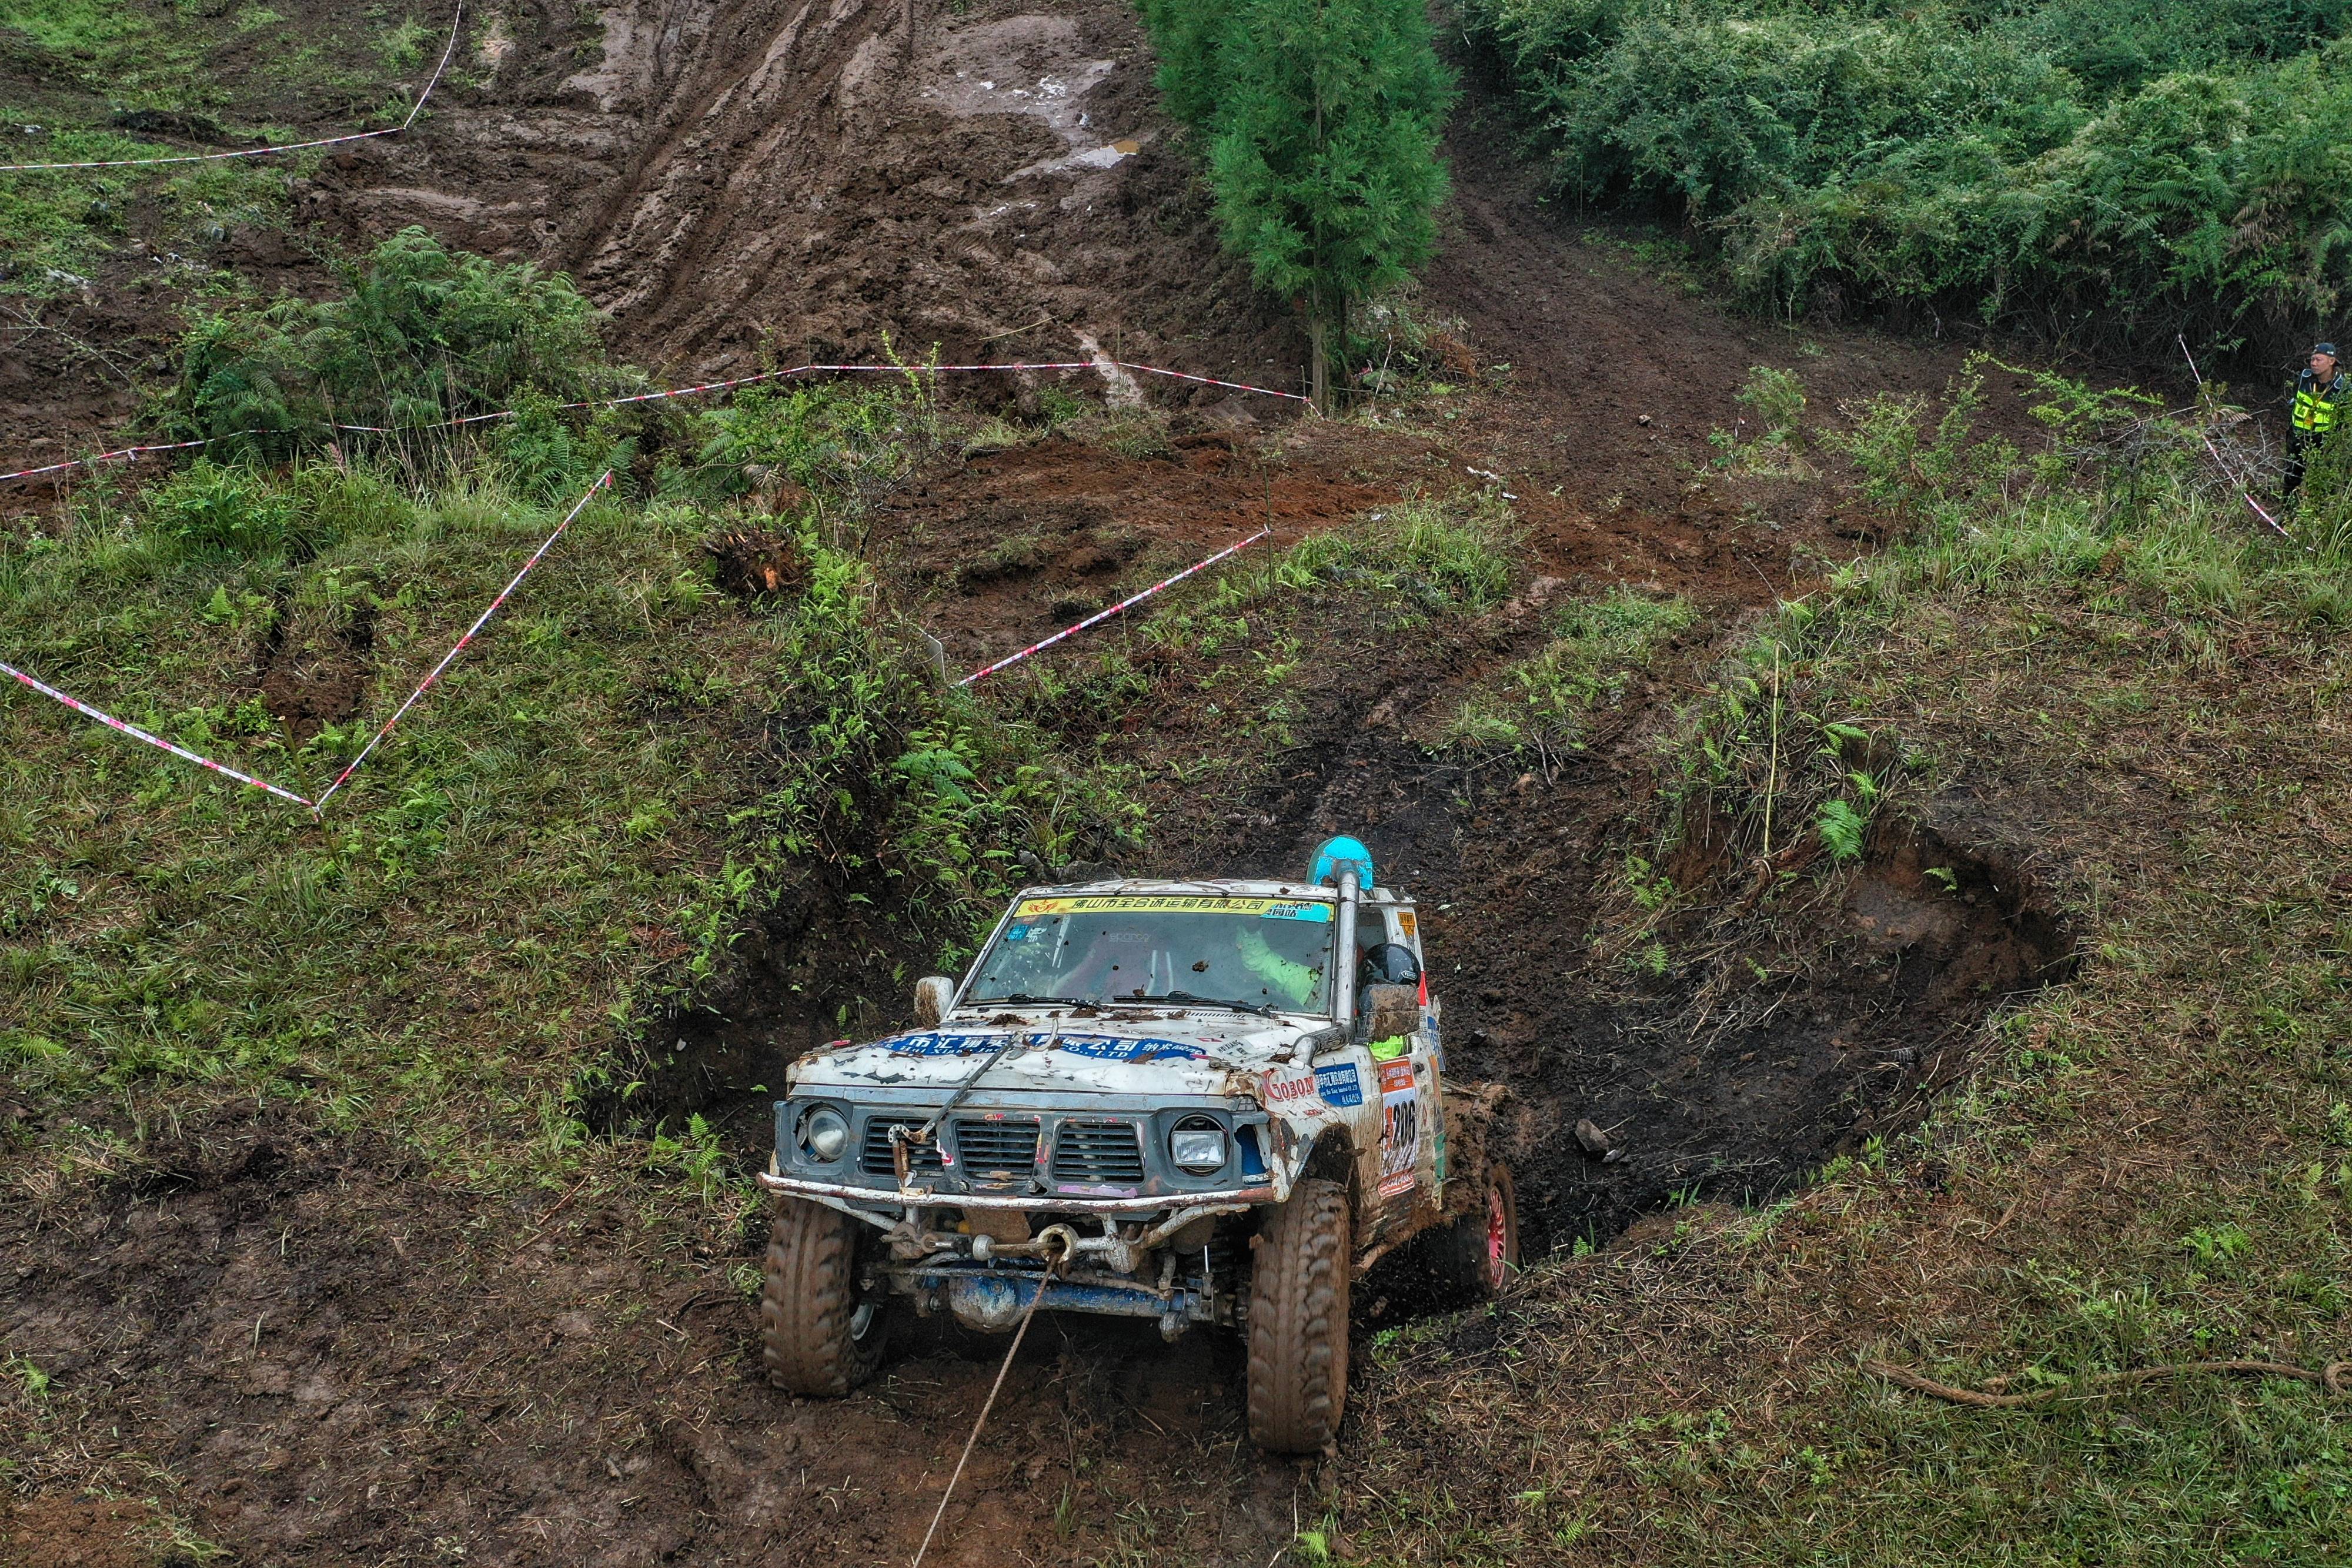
{"type": "Point", "coordinates": [771, 174]}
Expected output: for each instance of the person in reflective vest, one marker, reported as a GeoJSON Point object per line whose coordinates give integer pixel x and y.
{"type": "Point", "coordinates": [2322, 397]}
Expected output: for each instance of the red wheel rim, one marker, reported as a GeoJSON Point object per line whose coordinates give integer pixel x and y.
{"type": "Point", "coordinates": [1499, 1238]}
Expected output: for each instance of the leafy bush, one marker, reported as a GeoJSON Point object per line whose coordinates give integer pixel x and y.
{"type": "Point", "coordinates": [212, 507]}
{"type": "Point", "coordinates": [893, 776]}
{"type": "Point", "coordinates": [814, 435]}
{"type": "Point", "coordinates": [421, 334]}
{"type": "Point", "coordinates": [2158, 165]}
{"type": "Point", "coordinates": [1777, 401]}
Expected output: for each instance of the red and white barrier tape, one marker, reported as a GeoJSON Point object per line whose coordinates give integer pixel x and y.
{"type": "Point", "coordinates": [321, 803]}
{"type": "Point", "coordinates": [132, 453]}
{"type": "Point", "coordinates": [136, 733]}
{"type": "Point", "coordinates": [1102, 615]}
{"type": "Point", "coordinates": [135, 452]}
{"type": "Point", "coordinates": [479, 623]}
{"type": "Point", "coordinates": [831, 370]}
{"type": "Point", "coordinates": [413, 110]}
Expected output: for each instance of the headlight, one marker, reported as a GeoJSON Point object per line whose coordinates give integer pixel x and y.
{"type": "Point", "coordinates": [1197, 1146]}
{"type": "Point", "coordinates": [824, 1133]}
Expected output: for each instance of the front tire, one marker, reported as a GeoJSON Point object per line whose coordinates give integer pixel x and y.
{"type": "Point", "coordinates": [1298, 1322]}
{"type": "Point", "coordinates": [1478, 1253]}
{"type": "Point", "coordinates": [822, 1333]}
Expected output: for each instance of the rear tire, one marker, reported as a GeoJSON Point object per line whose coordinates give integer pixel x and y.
{"type": "Point", "coordinates": [1298, 1322]}
{"type": "Point", "coordinates": [1478, 1253]}
{"type": "Point", "coordinates": [821, 1333]}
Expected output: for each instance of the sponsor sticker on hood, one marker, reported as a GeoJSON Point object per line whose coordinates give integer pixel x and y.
{"type": "Point", "coordinates": [1176, 903]}
{"type": "Point", "coordinates": [1100, 1047]}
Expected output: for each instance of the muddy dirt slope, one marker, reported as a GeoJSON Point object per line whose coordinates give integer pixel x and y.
{"type": "Point", "coordinates": [779, 172]}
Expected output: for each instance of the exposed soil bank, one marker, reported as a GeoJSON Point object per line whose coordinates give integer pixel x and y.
{"type": "Point", "coordinates": [756, 173]}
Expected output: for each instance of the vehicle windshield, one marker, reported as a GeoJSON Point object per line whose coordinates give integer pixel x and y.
{"type": "Point", "coordinates": [1118, 948]}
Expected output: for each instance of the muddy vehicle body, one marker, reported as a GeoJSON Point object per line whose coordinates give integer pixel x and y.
{"type": "Point", "coordinates": [1154, 1099]}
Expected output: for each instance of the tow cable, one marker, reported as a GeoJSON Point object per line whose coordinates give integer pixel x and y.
{"type": "Point", "coordinates": [903, 1139]}
{"type": "Point", "coordinates": [1053, 1266]}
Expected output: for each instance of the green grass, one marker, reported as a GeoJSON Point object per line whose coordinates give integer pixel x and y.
{"type": "Point", "coordinates": [2143, 697]}
{"type": "Point", "coordinates": [57, 228]}
{"type": "Point", "coordinates": [568, 836]}
{"type": "Point", "coordinates": [252, 71]}
{"type": "Point", "coordinates": [1598, 646]}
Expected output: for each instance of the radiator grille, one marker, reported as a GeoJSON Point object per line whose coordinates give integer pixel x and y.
{"type": "Point", "coordinates": [874, 1154]}
{"type": "Point", "coordinates": [1108, 1153]}
{"type": "Point", "coordinates": [984, 1147]}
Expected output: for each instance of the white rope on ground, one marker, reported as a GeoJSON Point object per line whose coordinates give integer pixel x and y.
{"type": "Point", "coordinates": [995, 1389]}
{"type": "Point", "coordinates": [135, 733]}
{"type": "Point", "coordinates": [480, 621]}
{"type": "Point", "coordinates": [134, 452]}
{"type": "Point", "coordinates": [1102, 615]}
{"type": "Point", "coordinates": [413, 110]}
{"type": "Point", "coordinates": [319, 805]}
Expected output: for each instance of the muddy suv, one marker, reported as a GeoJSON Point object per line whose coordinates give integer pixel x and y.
{"type": "Point", "coordinates": [1162, 1099]}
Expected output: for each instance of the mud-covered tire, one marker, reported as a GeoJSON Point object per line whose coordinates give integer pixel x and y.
{"type": "Point", "coordinates": [820, 1334]}
{"type": "Point", "coordinates": [1298, 1322]}
{"type": "Point", "coordinates": [1477, 1253]}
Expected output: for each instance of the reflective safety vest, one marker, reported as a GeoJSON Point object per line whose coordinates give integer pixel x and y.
{"type": "Point", "coordinates": [2316, 407]}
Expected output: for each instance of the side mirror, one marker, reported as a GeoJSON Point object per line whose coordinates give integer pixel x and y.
{"type": "Point", "coordinates": [934, 994]}
{"type": "Point", "coordinates": [1383, 1012]}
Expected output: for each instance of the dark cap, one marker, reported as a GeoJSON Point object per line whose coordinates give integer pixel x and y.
{"type": "Point", "coordinates": [2327, 349]}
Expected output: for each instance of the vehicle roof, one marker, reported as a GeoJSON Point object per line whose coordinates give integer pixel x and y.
{"type": "Point", "coordinates": [1220, 887]}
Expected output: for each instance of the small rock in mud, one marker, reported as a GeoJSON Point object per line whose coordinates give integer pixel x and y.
{"type": "Point", "coordinates": [1593, 1140]}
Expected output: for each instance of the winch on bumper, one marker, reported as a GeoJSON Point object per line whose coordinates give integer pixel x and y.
{"type": "Point", "coordinates": [1107, 1188]}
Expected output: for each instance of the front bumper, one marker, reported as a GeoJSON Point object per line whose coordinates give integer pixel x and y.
{"type": "Point", "coordinates": [918, 1196]}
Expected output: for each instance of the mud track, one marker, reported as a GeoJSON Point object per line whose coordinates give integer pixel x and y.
{"type": "Point", "coordinates": [344, 1360]}
{"type": "Point", "coordinates": [783, 175]}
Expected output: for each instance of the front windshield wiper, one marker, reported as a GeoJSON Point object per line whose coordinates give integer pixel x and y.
{"type": "Point", "coordinates": [1259, 1007]}
{"type": "Point", "coordinates": [1017, 998]}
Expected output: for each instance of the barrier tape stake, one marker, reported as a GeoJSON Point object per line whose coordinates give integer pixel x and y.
{"type": "Point", "coordinates": [1102, 615]}
{"type": "Point", "coordinates": [136, 733]}
{"type": "Point", "coordinates": [481, 620]}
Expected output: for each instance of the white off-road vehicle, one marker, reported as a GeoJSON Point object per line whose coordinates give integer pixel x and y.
{"type": "Point", "coordinates": [1164, 1100]}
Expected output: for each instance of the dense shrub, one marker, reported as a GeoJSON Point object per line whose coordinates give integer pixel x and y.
{"type": "Point", "coordinates": [2156, 164]}
{"type": "Point", "coordinates": [420, 334]}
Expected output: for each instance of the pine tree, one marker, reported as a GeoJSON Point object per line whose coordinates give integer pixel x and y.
{"type": "Point", "coordinates": [1188, 35]}
{"type": "Point", "coordinates": [1323, 156]}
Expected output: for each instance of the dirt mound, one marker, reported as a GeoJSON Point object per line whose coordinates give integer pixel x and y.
{"type": "Point", "coordinates": [997, 549]}
{"type": "Point", "coordinates": [767, 173]}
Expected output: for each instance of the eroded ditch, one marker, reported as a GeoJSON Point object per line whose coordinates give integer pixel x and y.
{"type": "Point", "coordinates": [1791, 1036]}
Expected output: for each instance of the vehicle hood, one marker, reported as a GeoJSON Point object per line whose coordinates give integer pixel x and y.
{"type": "Point", "coordinates": [1163, 1051]}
